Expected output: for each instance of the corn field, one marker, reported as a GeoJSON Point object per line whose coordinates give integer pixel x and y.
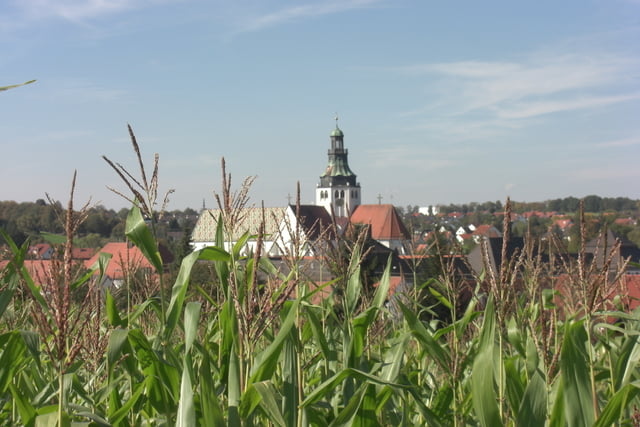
{"type": "Point", "coordinates": [263, 349]}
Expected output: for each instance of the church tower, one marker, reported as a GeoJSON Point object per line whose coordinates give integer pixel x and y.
{"type": "Point", "coordinates": [338, 189]}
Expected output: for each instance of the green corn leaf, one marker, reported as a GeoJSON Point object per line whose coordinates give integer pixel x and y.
{"type": "Point", "coordinates": [266, 362]}
{"type": "Point", "coordinates": [557, 418]}
{"type": "Point", "coordinates": [348, 413]}
{"type": "Point", "coordinates": [533, 409]}
{"type": "Point", "coordinates": [434, 348]}
{"type": "Point", "coordinates": [186, 408]}
{"type": "Point", "coordinates": [213, 253]}
{"type": "Point", "coordinates": [50, 418]}
{"type": "Point", "coordinates": [210, 406]}
{"type": "Point", "coordinates": [354, 284]}
{"type": "Point", "coordinates": [17, 264]}
{"type": "Point", "coordinates": [3, 88]}
{"type": "Point", "coordinates": [13, 353]}
{"type": "Point", "coordinates": [179, 292]}
{"type": "Point", "coordinates": [628, 360]}
{"type": "Point", "coordinates": [574, 370]}
{"type": "Point", "coordinates": [330, 384]}
{"type": "Point", "coordinates": [191, 319]}
{"type": "Point", "coordinates": [240, 244]}
{"type": "Point", "coordinates": [514, 382]}
{"type": "Point", "coordinates": [54, 239]}
{"type": "Point", "coordinates": [366, 415]}
{"type": "Point", "coordinates": [117, 341]}
{"type": "Point", "coordinates": [328, 353]}
{"type": "Point", "coordinates": [382, 291]}
{"type": "Point", "coordinates": [234, 390]}
{"type": "Point", "coordinates": [441, 298]}
{"type": "Point", "coordinates": [25, 409]}
{"type": "Point", "coordinates": [269, 402]}
{"type": "Point", "coordinates": [113, 317]}
{"type": "Point", "coordinates": [118, 415]}
{"type": "Point", "coordinates": [138, 232]}
{"type": "Point", "coordinates": [533, 359]}
{"type": "Point", "coordinates": [514, 335]}
{"type": "Point", "coordinates": [290, 378]}
{"type": "Point", "coordinates": [483, 373]}
{"type": "Point", "coordinates": [617, 404]}
{"type": "Point", "coordinates": [5, 299]}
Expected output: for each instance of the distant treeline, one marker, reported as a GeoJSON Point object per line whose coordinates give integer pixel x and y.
{"type": "Point", "coordinates": [29, 219]}
{"type": "Point", "coordinates": [592, 204]}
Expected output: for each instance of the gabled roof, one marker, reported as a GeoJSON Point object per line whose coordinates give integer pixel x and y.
{"type": "Point", "coordinates": [40, 251]}
{"type": "Point", "coordinates": [250, 218]}
{"type": "Point", "coordinates": [315, 221]}
{"type": "Point", "coordinates": [124, 258]}
{"type": "Point", "coordinates": [384, 221]}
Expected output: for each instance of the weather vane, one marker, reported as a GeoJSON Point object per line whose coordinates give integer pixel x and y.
{"type": "Point", "coordinates": [336, 119]}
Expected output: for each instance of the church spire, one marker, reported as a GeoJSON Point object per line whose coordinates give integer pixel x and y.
{"type": "Point", "coordinates": [338, 189]}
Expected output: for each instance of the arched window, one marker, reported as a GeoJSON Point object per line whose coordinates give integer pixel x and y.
{"type": "Point", "coordinates": [337, 194]}
{"type": "Point", "coordinates": [342, 194]}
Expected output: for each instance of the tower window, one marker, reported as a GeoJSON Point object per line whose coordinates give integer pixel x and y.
{"type": "Point", "coordinates": [337, 194]}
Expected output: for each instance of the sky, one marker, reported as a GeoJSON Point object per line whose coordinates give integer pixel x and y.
{"type": "Point", "coordinates": [440, 101]}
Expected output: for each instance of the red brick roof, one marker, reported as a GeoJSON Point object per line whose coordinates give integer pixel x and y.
{"type": "Point", "coordinates": [82, 253]}
{"type": "Point", "coordinates": [487, 230]}
{"type": "Point", "coordinates": [38, 269]}
{"type": "Point", "coordinates": [632, 284]}
{"type": "Point", "coordinates": [124, 258]}
{"type": "Point", "coordinates": [384, 221]}
{"type": "Point", "coordinates": [625, 221]}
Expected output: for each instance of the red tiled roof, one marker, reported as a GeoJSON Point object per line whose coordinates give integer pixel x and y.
{"type": "Point", "coordinates": [38, 269]}
{"type": "Point", "coordinates": [486, 230]}
{"type": "Point", "coordinates": [82, 253]}
{"type": "Point", "coordinates": [625, 221]}
{"type": "Point", "coordinates": [124, 258]}
{"type": "Point", "coordinates": [632, 284]}
{"type": "Point", "coordinates": [384, 221]}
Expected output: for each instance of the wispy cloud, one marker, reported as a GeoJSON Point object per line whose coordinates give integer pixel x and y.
{"type": "Point", "coordinates": [75, 10]}
{"type": "Point", "coordinates": [531, 109]}
{"type": "Point", "coordinates": [535, 85]}
{"type": "Point", "coordinates": [624, 142]}
{"type": "Point", "coordinates": [404, 156]}
{"type": "Point", "coordinates": [18, 14]}
{"type": "Point", "coordinates": [299, 12]}
{"type": "Point", "coordinates": [82, 91]}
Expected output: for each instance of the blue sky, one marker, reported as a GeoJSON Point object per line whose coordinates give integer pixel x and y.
{"type": "Point", "coordinates": [440, 101]}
